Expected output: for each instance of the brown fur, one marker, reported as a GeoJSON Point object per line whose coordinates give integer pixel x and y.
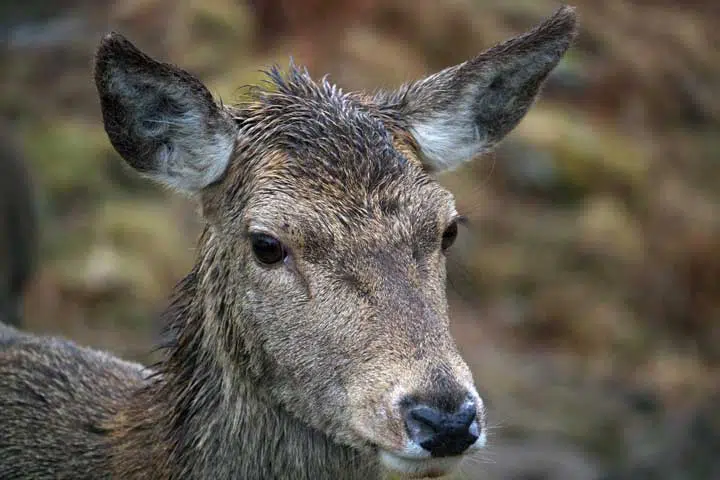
{"type": "Point", "coordinates": [300, 369]}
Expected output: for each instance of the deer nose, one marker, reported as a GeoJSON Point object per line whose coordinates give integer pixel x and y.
{"type": "Point", "coordinates": [443, 433]}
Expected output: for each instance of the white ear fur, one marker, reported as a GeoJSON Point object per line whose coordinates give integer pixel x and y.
{"type": "Point", "coordinates": [192, 170]}
{"type": "Point", "coordinates": [447, 141]}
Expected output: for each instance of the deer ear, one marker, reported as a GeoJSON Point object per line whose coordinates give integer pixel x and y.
{"type": "Point", "coordinates": [160, 119]}
{"type": "Point", "coordinates": [465, 110]}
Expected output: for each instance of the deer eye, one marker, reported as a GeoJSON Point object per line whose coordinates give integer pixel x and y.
{"type": "Point", "coordinates": [267, 249]}
{"type": "Point", "coordinates": [449, 235]}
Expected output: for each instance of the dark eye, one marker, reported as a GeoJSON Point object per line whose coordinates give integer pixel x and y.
{"type": "Point", "coordinates": [268, 250]}
{"type": "Point", "coordinates": [449, 235]}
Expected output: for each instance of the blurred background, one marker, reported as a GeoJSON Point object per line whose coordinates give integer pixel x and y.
{"type": "Point", "coordinates": [586, 292]}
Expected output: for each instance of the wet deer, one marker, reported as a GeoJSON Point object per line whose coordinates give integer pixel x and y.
{"type": "Point", "coordinates": [311, 338]}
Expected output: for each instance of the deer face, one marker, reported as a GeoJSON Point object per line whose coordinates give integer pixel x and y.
{"type": "Point", "coordinates": [339, 249]}
{"type": "Point", "coordinates": [324, 255]}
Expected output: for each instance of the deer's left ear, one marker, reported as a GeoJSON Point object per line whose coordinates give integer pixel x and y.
{"type": "Point", "coordinates": [465, 110]}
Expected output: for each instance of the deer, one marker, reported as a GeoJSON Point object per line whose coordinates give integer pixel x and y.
{"type": "Point", "coordinates": [311, 338]}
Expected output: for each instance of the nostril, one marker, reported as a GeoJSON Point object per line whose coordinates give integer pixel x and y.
{"type": "Point", "coordinates": [467, 414]}
{"type": "Point", "coordinates": [442, 433]}
{"type": "Point", "coordinates": [426, 417]}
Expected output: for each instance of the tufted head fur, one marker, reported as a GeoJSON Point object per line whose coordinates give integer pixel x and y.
{"type": "Point", "coordinates": [350, 325]}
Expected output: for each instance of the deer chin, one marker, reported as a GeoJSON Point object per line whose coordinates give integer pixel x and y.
{"type": "Point", "coordinates": [415, 467]}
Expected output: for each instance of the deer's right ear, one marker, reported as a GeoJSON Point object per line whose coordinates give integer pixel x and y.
{"type": "Point", "coordinates": [465, 110]}
{"type": "Point", "coordinates": [160, 119]}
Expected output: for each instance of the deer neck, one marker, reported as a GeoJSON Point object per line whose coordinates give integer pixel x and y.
{"type": "Point", "coordinates": [198, 419]}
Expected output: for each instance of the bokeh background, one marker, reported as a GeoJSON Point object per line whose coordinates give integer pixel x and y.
{"type": "Point", "coordinates": [585, 292]}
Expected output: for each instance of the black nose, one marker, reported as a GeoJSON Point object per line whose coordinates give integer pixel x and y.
{"type": "Point", "coordinates": [442, 433]}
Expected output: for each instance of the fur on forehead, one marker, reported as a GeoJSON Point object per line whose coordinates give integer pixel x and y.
{"type": "Point", "coordinates": [295, 113]}
{"type": "Point", "coordinates": [325, 140]}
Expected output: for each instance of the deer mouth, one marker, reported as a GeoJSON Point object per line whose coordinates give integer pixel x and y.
{"type": "Point", "coordinates": [414, 463]}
